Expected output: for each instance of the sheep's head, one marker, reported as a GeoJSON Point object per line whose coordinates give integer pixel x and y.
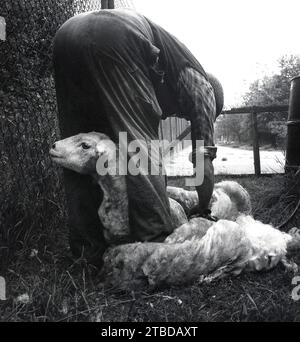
{"type": "Point", "coordinates": [81, 152]}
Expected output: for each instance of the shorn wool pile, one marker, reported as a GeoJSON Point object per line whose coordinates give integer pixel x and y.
{"type": "Point", "coordinates": [198, 249]}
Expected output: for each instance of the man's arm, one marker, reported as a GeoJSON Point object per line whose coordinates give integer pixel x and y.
{"type": "Point", "coordinates": [204, 190]}
{"type": "Point", "coordinates": [198, 102]}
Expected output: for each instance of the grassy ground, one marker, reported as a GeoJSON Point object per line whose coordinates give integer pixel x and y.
{"type": "Point", "coordinates": [60, 289]}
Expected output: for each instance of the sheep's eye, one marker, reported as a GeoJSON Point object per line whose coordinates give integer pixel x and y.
{"type": "Point", "coordinates": [85, 146]}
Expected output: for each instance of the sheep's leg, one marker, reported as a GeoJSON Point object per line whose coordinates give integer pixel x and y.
{"type": "Point", "coordinates": [187, 199]}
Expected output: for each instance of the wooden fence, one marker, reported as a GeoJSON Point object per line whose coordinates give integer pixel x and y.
{"type": "Point", "coordinates": [182, 132]}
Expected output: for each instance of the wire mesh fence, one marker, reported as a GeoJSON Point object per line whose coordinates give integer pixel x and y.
{"type": "Point", "coordinates": [30, 185]}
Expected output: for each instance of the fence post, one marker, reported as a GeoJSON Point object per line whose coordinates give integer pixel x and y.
{"type": "Point", "coordinates": [256, 154]}
{"type": "Point", "coordinates": [111, 4]}
{"type": "Point", "coordinates": [293, 128]}
{"type": "Point", "coordinates": [104, 4]}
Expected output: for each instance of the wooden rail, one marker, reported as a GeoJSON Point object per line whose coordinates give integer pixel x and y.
{"type": "Point", "coordinates": [253, 111]}
{"type": "Point", "coordinates": [257, 109]}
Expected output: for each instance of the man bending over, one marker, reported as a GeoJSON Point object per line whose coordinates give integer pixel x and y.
{"type": "Point", "coordinates": [117, 71]}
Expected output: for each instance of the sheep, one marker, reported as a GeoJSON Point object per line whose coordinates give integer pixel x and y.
{"type": "Point", "coordinates": [81, 153]}
{"type": "Point", "coordinates": [197, 250]}
{"type": "Point", "coordinates": [229, 200]}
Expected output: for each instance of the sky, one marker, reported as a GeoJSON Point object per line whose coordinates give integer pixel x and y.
{"type": "Point", "coordinates": [236, 40]}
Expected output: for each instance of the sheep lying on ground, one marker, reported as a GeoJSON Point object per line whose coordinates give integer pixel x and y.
{"type": "Point", "coordinates": [196, 249]}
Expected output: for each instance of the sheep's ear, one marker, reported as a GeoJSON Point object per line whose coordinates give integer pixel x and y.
{"type": "Point", "coordinates": [106, 146]}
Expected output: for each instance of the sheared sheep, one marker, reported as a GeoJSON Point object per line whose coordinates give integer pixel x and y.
{"type": "Point", "coordinates": [197, 249]}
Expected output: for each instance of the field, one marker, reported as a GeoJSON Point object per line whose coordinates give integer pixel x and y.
{"type": "Point", "coordinates": [58, 288]}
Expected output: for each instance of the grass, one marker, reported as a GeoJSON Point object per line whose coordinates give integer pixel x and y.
{"type": "Point", "coordinates": [61, 289]}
